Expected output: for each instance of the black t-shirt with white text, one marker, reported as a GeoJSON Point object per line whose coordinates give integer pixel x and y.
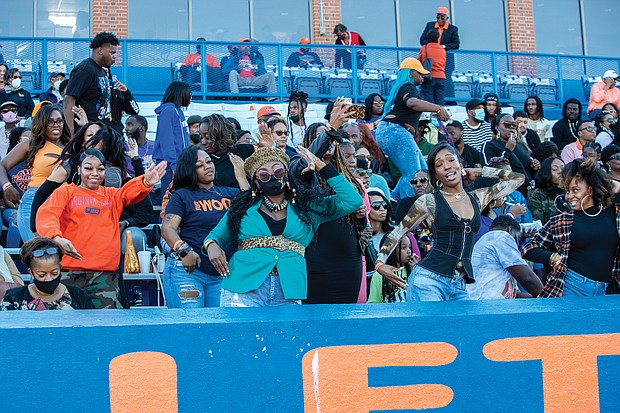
{"type": "Point", "coordinates": [91, 88]}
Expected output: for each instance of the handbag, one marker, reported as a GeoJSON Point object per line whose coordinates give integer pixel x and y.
{"type": "Point", "coordinates": [427, 64]}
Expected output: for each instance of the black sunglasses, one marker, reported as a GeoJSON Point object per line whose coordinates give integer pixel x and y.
{"type": "Point", "coordinates": [364, 172]}
{"type": "Point", "coordinates": [45, 251]}
{"type": "Point", "coordinates": [265, 176]}
{"type": "Point", "coordinates": [378, 205]}
{"type": "Point", "coordinates": [416, 181]}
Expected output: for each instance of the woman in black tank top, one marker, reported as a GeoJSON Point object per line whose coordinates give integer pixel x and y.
{"type": "Point", "coordinates": [455, 217]}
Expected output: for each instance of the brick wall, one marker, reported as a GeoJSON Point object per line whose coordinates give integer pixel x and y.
{"type": "Point", "coordinates": [331, 17]}
{"type": "Point", "coordinates": [522, 36]}
{"type": "Point", "coordinates": [110, 16]}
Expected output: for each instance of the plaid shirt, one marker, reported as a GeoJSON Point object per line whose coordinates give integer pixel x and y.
{"type": "Point", "coordinates": [557, 233]}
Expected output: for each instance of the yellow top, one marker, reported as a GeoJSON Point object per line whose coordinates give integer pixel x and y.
{"type": "Point", "coordinates": [44, 163]}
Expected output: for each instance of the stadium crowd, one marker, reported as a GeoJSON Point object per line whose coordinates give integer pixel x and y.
{"type": "Point", "coordinates": [389, 202]}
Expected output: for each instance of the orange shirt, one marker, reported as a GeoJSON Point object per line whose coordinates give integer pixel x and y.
{"type": "Point", "coordinates": [194, 59]}
{"type": "Point", "coordinates": [599, 96]}
{"type": "Point", "coordinates": [89, 219]}
{"type": "Point", "coordinates": [441, 29]}
{"type": "Point", "coordinates": [438, 54]}
{"type": "Point", "coordinates": [44, 163]}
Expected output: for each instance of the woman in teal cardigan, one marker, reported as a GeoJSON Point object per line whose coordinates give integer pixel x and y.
{"type": "Point", "coordinates": [272, 225]}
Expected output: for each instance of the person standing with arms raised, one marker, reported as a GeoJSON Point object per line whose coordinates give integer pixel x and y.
{"type": "Point", "coordinates": [89, 86]}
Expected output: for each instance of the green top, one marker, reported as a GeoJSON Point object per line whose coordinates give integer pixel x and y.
{"type": "Point", "coordinates": [383, 291]}
{"type": "Point", "coordinates": [250, 267]}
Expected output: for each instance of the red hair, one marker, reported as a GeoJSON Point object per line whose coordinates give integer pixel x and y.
{"type": "Point", "coordinates": [368, 141]}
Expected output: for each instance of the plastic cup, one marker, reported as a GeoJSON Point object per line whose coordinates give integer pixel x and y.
{"type": "Point", "coordinates": [144, 259]}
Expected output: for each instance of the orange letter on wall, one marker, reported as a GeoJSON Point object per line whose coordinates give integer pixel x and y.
{"type": "Point", "coordinates": [144, 382]}
{"type": "Point", "coordinates": [336, 378]}
{"type": "Point", "coordinates": [570, 372]}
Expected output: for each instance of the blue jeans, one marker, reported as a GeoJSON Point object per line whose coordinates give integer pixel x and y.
{"type": "Point", "coordinates": [425, 285]}
{"type": "Point", "coordinates": [577, 285]}
{"type": "Point", "coordinates": [9, 218]}
{"type": "Point", "coordinates": [398, 144]}
{"type": "Point", "coordinates": [268, 294]}
{"type": "Point", "coordinates": [195, 290]}
{"type": "Point", "coordinates": [23, 214]}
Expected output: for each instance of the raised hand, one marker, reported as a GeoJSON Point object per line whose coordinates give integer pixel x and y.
{"type": "Point", "coordinates": [155, 172]}
{"type": "Point", "coordinates": [314, 163]}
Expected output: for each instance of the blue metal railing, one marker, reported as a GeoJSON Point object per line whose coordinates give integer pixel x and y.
{"type": "Point", "coordinates": [148, 66]}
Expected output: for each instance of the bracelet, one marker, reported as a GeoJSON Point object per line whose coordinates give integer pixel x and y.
{"type": "Point", "coordinates": [329, 126]}
{"type": "Point", "coordinates": [378, 265]}
{"type": "Point", "coordinates": [5, 186]}
{"type": "Point", "coordinates": [146, 182]}
{"type": "Point", "coordinates": [439, 110]}
{"type": "Point", "coordinates": [176, 244]}
{"type": "Point", "coordinates": [510, 215]}
{"type": "Point", "coordinates": [206, 245]}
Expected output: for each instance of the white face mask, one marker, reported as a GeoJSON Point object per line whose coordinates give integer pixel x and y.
{"type": "Point", "coordinates": [16, 83]}
{"type": "Point", "coordinates": [56, 85]}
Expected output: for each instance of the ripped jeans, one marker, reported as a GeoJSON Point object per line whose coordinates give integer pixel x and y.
{"type": "Point", "coordinates": [195, 290]}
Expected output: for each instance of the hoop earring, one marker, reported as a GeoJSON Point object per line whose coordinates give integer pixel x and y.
{"type": "Point", "coordinates": [600, 208]}
{"type": "Point", "coordinates": [438, 184]}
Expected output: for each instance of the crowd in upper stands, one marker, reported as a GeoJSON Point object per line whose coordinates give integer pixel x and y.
{"type": "Point", "coordinates": [386, 202]}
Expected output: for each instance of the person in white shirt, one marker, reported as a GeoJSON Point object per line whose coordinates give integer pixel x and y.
{"type": "Point", "coordinates": [296, 120]}
{"type": "Point", "coordinates": [498, 265]}
{"type": "Point", "coordinates": [604, 123]}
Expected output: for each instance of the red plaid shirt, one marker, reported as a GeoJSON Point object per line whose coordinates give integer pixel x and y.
{"type": "Point", "coordinates": [557, 232]}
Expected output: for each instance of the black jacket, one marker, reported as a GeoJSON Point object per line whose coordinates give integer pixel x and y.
{"type": "Point", "coordinates": [449, 38]}
{"type": "Point", "coordinates": [22, 98]}
{"type": "Point", "coordinates": [564, 132]}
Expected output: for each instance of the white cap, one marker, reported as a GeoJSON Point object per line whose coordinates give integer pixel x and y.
{"type": "Point", "coordinates": [611, 73]}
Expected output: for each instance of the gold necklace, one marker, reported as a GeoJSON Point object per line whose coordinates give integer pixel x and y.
{"type": "Point", "coordinates": [457, 195]}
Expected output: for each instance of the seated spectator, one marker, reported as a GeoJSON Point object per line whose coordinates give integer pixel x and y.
{"type": "Point", "coordinates": [353, 131]}
{"type": "Point", "coordinates": [9, 274]}
{"type": "Point", "coordinates": [433, 91]}
{"type": "Point", "coordinates": [470, 156]}
{"type": "Point", "coordinates": [376, 180]}
{"type": "Point", "coordinates": [586, 132]}
{"type": "Point", "coordinates": [592, 150]}
{"type": "Point", "coordinates": [604, 92]}
{"type": "Point", "coordinates": [193, 123]}
{"type": "Point", "coordinates": [421, 133]}
{"type": "Point", "coordinates": [476, 132]}
{"type": "Point", "coordinates": [135, 130]}
{"type": "Point", "coordinates": [89, 234]}
{"type": "Point", "coordinates": [297, 106]}
{"type": "Point", "coordinates": [121, 101]}
{"type": "Point", "coordinates": [190, 69]}
{"type": "Point", "coordinates": [245, 67]}
{"type": "Point", "coordinates": [492, 107]}
{"type": "Point", "coordinates": [610, 157]}
{"type": "Point", "coordinates": [304, 57]}
{"type": "Point", "coordinates": [343, 56]}
{"type": "Point", "coordinates": [61, 89]}
{"type": "Point", "coordinates": [275, 130]}
{"type": "Point", "coordinates": [19, 177]}
{"type": "Point", "coordinates": [8, 114]}
{"type": "Point", "coordinates": [545, 150]}
{"type": "Point", "coordinates": [379, 216]}
{"type": "Point", "coordinates": [42, 256]}
{"type": "Point", "coordinates": [565, 129]}
{"type": "Point", "coordinates": [542, 200]}
{"type": "Point", "coordinates": [377, 160]}
{"type": "Point", "coordinates": [363, 172]}
{"type": "Point", "coordinates": [403, 260]}
{"type": "Point", "coordinates": [53, 93]}
{"type": "Point", "coordinates": [421, 185]}
{"type": "Point", "coordinates": [536, 118]}
{"type": "Point", "coordinates": [530, 136]}
{"type": "Point", "coordinates": [498, 265]}
{"type": "Point", "coordinates": [374, 111]}
{"type": "Point", "coordinates": [3, 69]}
{"type": "Point", "coordinates": [605, 128]}
{"type": "Point", "coordinates": [14, 92]}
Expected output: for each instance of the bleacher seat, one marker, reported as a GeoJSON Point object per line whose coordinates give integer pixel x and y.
{"type": "Point", "coordinates": [545, 89]}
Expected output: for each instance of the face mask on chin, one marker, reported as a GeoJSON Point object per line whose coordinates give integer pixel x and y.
{"type": "Point", "coordinates": [272, 187]}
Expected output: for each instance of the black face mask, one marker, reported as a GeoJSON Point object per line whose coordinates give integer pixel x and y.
{"type": "Point", "coordinates": [47, 287]}
{"type": "Point", "coordinates": [272, 187]}
{"type": "Point", "coordinates": [294, 118]}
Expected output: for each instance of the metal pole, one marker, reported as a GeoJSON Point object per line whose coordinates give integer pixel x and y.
{"type": "Point", "coordinates": [280, 74]}
{"type": "Point", "coordinates": [560, 82]}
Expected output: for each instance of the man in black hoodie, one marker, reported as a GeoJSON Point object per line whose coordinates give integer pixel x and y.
{"type": "Point", "coordinates": [565, 130]}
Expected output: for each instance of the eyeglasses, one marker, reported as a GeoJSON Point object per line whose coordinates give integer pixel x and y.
{"type": "Point", "coordinates": [281, 133]}
{"type": "Point", "coordinates": [54, 122]}
{"type": "Point", "coordinates": [416, 181]}
{"type": "Point", "coordinates": [588, 128]}
{"type": "Point", "coordinates": [265, 176]}
{"type": "Point", "coordinates": [16, 77]}
{"type": "Point", "coordinates": [45, 251]}
{"type": "Point", "coordinates": [509, 125]}
{"type": "Point", "coordinates": [364, 172]}
{"type": "Point", "coordinates": [8, 110]}
{"type": "Point", "coordinates": [378, 205]}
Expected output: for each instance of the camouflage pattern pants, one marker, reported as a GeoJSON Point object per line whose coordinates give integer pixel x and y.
{"type": "Point", "coordinates": [101, 286]}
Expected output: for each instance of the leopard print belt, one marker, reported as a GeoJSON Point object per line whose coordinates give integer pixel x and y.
{"type": "Point", "coordinates": [278, 242]}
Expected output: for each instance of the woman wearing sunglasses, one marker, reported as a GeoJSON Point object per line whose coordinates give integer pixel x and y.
{"type": "Point", "coordinates": [42, 256]}
{"type": "Point", "coordinates": [455, 218]}
{"type": "Point", "coordinates": [194, 209]}
{"type": "Point", "coordinates": [379, 215]}
{"type": "Point", "coordinates": [84, 220]}
{"type": "Point", "coordinates": [49, 136]}
{"type": "Point", "coordinates": [272, 225]}
{"type": "Point", "coordinates": [508, 143]}
{"type": "Point", "coordinates": [14, 92]}
{"type": "Point", "coordinates": [611, 160]}
{"type": "Point", "coordinates": [277, 132]}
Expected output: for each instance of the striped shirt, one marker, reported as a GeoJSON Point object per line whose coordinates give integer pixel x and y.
{"type": "Point", "coordinates": [476, 136]}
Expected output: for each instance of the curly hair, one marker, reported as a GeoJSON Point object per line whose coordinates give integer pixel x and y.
{"type": "Point", "coordinates": [104, 38]}
{"type": "Point", "coordinates": [221, 131]}
{"type": "Point", "coordinates": [586, 170]}
{"type": "Point", "coordinates": [368, 141]}
{"type": "Point", "coordinates": [545, 150]}
{"type": "Point", "coordinates": [38, 243]}
{"type": "Point", "coordinates": [38, 128]}
{"type": "Point", "coordinates": [311, 134]}
{"type": "Point", "coordinates": [113, 149]}
{"type": "Point", "coordinates": [608, 152]}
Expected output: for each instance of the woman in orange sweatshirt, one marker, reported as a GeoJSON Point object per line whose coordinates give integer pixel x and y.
{"type": "Point", "coordinates": [84, 221]}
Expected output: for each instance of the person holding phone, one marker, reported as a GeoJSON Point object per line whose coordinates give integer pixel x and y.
{"type": "Point", "coordinates": [402, 111]}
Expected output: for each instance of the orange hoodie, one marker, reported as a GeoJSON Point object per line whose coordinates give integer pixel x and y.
{"type": "Point", "coordinates": [89, 219]}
